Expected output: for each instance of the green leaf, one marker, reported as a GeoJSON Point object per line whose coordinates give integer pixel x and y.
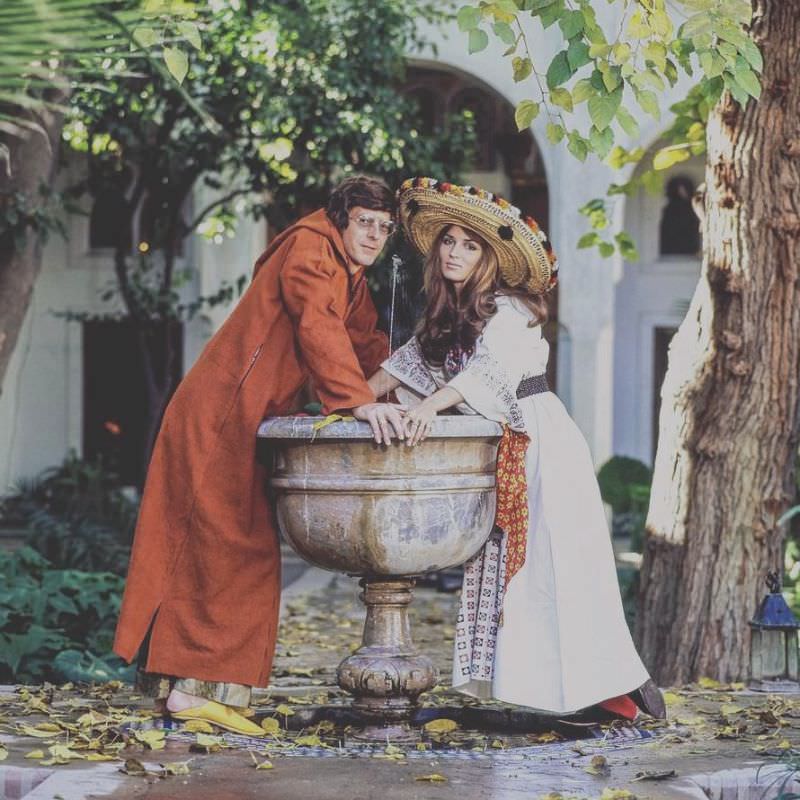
{"type": "Point", "coordinates": [638, 27]}
{"type": "Point", "coordinates": [504, 32]}
{"type": "Point", "coordinates": [628, 122]}
{"type": "Point", "coordinates": [506, 6]}
{"type": "Point", "coordinates": [571, 24]}
{"type": "Point", "coordinates": [667, 157]}
{"type": "Point", "coordinates": [732, 33]}
{"type": "Point", "coordinates": [662, 24]}
{"type": "Point", "coordinates": [561, 98]}
{"type": "Point", "coordinates": [478, 40]}
{"type": "Point", "coordinates": [559, 71]}
{"type": "Point", "coordinates": [145, 37]}
{"type": "Point", "coordinates": [648, 102]}
{"type": "Point", "coordinates": [657, 53]}
{"type": "Point", "coordinates": [599, 50]}
{"type": "Point", "coordinates": [747, 79]}
{"type": "Point", "coordinates": [468, 18]}
{"type": "Point", "coordinates": [588, 240]}
{"type": "Point", "coordinates": [552, 13]}
{"type": "Point", "coordinates": [191, 33]}
{"type": "Point", "coordinates": [612, 77]}
{"type": "Point", "coordinates": [522, 68]}
{"type": "Point", "coordinates": [578, 54]}
{"type": "Point", "coordinates": [583, 90]}
{"type": "Point", "coordinates": [601, 141]}
{"type": "Point", "coordinates": [603, 108]}
{"type": "Point", "coordinates": [606, 249]}
{"type": "Point", "coordinates": [740, 11]}
{"type": "Point", "coordinates": [577, 145]}
{"type": "Point", "coordinates": [753, 55]}
{"type": "Point", "coordinates": [621, 52]}
{"type": "Point", "coordinates": [697, 25]}
{"type": "Point", "coordinates": [555, 132]}
{"type": "Point", "coordinates": [627, 247]}
{"type": "Point", "coordinates": [738, 92]}
{"type": "Point", "coordinates": [525, 113]}
{"type": "Point", "coordinates": [671, 72]}
{"type": "Point", "coordinates": [177, 63]}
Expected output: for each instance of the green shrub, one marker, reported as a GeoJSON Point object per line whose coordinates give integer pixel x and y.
{"type": "Point", "coordinates": [617, 477]}
{"type": "Point", "coordinates": [76, 515]}
{"type": "Point", "coordinates": [46, 612]}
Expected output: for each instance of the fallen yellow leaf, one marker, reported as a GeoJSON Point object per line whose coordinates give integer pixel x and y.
{"type": "Point", "coordinates": [271, 725]}
{"type": "Point", "coordinates": [708, 683]}
{"type": "Point", "coordinates": [287, 711]}
{"type": "Point", "coordinates": [432, 778]}
{"type": "Point", "coordinates": [197, 726]}
{"type": "Point", "coordinates": [440, 726]}
{"type": "Point", "coordinates": [204, 740]}
{"type": "Point", "coordinates": [175, 768]}
{"type": "Point", "coordinates": [101, 757]}
{"type": "Point", "coordinates": [617, 794]}
{"type": "Point", "coordinates": [4, 753]}
{"type": "Point", "coordinates": [265, 765]}
{"type": "Point", "coordinates": [153, 739]}
{"type": "Point", "coordinates": [29, 730]}
{"type": "Point", "coordinates": [308, 741]}
{"type": "Point", "coordinates": [730, 708]}
{"type": "Point", "coordinates": [35, 754]}
{"type": "Point", "coordinates": [670, 698]}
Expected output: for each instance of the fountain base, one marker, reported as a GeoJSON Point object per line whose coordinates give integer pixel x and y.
{"type": "Point", "coordinates": [386, 675]}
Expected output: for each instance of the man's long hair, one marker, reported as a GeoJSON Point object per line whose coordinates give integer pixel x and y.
{"type": "Point", "coordinates": [450, 320]}
{"type": "Point", "coordinates": [359, 190]}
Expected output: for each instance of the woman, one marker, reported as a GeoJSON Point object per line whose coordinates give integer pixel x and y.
{"type": "Point", "coordinates": [541, 621]}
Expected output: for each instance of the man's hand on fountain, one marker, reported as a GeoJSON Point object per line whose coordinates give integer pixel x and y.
{"type": "Point", "coordinates": [385, 419]}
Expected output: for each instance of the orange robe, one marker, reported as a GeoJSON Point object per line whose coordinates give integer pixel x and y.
{"type": "Point", "coordinates": [205, 566]}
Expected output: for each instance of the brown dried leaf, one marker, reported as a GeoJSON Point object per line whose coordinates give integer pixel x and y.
{"type": "Point", "coordinates": [598, 766]}
{"type": "Point", "coordinates": [655, 775]}
{"type": "Point", "coordinates": [133, 766]}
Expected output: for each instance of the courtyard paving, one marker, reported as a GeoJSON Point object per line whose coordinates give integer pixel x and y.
{"type": "Point", "coordinates": [74, 742]}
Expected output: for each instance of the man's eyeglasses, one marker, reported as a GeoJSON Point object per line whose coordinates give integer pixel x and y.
{"type": "Point", "coordinates": [385, 227]}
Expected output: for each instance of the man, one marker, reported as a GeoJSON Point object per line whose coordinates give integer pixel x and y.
{"type": "Point", "coordinates": [203, 585]}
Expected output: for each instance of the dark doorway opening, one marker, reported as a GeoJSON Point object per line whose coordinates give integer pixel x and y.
{"type": "Point", "coordinates": [115, 408]}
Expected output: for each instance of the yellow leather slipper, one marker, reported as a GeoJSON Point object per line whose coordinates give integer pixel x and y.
{"type": "Point", "coordinates": [222, 716]}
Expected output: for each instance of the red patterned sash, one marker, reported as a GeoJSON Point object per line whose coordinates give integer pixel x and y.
{"type": "Point", "coordinates": [512, 499]}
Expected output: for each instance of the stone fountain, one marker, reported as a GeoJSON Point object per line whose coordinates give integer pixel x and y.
{"type": "Point", "coordinates": [386, 514]}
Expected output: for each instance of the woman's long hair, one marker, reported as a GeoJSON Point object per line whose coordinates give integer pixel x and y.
{"type": "Point", "coordinates": [453, 321]}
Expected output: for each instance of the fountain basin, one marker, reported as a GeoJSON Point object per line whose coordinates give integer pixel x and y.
{"type": "Point", "coordinates": [346, 504]}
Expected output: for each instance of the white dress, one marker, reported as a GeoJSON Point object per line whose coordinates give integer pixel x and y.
{"type": "Point", "coordinates": [563, 643]}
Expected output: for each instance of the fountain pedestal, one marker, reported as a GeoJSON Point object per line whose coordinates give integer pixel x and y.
{"type": "Point", "coordinates": [385, 513]}
{"type": "Point", "coordinates": [387, 674]}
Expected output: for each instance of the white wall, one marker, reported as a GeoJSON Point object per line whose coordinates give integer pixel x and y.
{"type": "Point", "coordinates": [653, 292]}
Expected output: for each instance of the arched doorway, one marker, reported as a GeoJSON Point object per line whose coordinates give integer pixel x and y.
{"type": "Point", "coordinates": [506, 161]}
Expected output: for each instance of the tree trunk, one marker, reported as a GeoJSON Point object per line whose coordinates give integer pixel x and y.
{"type": "Point", "coordinates": [729, 423]}
{"type": "Point", "coordinates": [33, 163]}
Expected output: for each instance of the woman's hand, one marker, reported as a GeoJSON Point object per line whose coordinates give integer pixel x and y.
{"type": "Point", "coordinates": [418, 421]}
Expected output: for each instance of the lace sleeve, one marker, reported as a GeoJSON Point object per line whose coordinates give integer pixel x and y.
{"type": "Point", "coordinates": [488, 383]}
{"type": "Point", "coordinates": [408, 365]}
{"type": "Point", "coordinates": [487, 387]}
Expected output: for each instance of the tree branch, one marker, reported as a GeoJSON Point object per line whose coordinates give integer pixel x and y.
{"type": "Point", "coordinates": [211, 206]}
